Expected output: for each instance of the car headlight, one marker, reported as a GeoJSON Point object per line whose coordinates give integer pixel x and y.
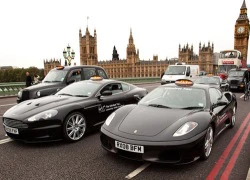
{"type": "Point", "coordinates": [110, 118]}
{"type": "Point", "coordinates": [185, 128]}
{"type": "Point", "coordinates": [43, 115]}
{"type": "Point", "coordinates": [19, 94]}
{"type": "Point", "coordinates": [38, 93]}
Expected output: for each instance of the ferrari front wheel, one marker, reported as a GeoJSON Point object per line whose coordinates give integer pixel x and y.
{"type": "Point", "coordinates": [207, 143]}
{"type": "Point", "coordinates": [74, 127]}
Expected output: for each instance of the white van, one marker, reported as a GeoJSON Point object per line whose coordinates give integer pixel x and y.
{"type": "Point", "coordinates": [180, 71]}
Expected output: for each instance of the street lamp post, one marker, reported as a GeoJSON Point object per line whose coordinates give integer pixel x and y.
{"type": "Point", "coordinates": [68, 56]}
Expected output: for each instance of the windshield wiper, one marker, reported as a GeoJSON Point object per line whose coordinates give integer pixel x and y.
{"type": "Point", "coordinates": [65, 94]}
{"type": "Point", "coordinates": [159, 105]}
{"type": "Point", "coordinates": [47, 81]}
{"type": "Point", "coordinates": [55, 81]}
{"type": "Point", "coordinates": [81, 96]}
{"type": "Point", "coordinates": [193, 107]}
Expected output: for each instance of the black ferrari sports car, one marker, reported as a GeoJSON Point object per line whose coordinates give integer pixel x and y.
{"type": "Point", "coordinates": [175, 123]}
{"type": "Point", "coordinates": [214, 81]}
{"type": "Point", "coordinates": [70, 112]}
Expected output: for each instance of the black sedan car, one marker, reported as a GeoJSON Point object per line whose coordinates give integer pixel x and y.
{"type": "Point", "coordinates": [175, 123]}
{"type": "Point", "coordinates": [70, 112]}
{"type": "Point", "coordinates": [215, 81]}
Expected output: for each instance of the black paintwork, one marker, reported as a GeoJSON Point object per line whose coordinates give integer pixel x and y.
{"type": "Point", "coordinates": [95, 109]}
{"type": "Point", "coordinates": [48, 88]}
{"type": "Point", "coordinates": [154, 127]}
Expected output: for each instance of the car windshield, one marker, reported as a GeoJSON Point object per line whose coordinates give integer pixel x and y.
{"type": "Point", "coordinates": [235, 73]}
{"type": "Point", "coordinates": [175, 97]}
{"type": "Point", "coordinates": [80, 89]}
{"type": "Point", "coordinates": [175, 70]}
{"type": "Point", "coordinates": [55, 76]}
{"type": "Point", "coordinates": [207, 80]}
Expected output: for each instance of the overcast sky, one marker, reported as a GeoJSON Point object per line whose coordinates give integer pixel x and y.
{"type": "Point", "coordinates": [34, 30]}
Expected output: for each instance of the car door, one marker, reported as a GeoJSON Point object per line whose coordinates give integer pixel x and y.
{"type": "Point", "coordinates": [220, 112]}
{"type": "Point", "coordinates": [110, 103]}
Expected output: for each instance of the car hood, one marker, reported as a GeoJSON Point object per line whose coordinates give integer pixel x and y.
{"type": "Point", "coordinates": [31, 107]}
{"type": "Point", "coordinates": [43, 86]}
{"type": "Point", "coordinates": [150, 121]}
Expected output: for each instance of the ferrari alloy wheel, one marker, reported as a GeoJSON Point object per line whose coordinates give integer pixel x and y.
{"type": "Point", "coordinates": [207, 143]}
{"type": "Point", "coordinates": [233, 118]}
{"type": "Point", "coordinates": [74, 126]}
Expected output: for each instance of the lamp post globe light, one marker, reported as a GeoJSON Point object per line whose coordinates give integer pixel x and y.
{"type": "Point", "coordinates": [68, 56]}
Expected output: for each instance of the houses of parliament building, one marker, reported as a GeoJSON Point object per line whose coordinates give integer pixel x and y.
{"type": "Point", "coordinates": [133, 66]}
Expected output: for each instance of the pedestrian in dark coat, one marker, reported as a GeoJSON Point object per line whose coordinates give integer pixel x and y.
{"type": "Point", "coordinates": [28, 79]}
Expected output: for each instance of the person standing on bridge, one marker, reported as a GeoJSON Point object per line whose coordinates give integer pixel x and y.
{"type": "Point", "coordinates": [28, 79]}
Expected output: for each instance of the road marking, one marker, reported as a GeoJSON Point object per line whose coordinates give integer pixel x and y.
{"type": "Point", "coordinates": [242, 96]}
{"type": "Point", "coordinates": [137, 171]}
{"type": "Point", "coordinates": [248, 175]}
{"type": "Point", "coordinates": [213, 173]}
{"type": "Point", "coordinates": [5, 140]}
{"type": "Point", "coordinates": [235, 155]}
{"type": "Point", "coordinates": [8, 104]}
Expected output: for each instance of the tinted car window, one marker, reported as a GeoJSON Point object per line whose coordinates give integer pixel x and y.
{"type": "Point", "coordinates": [80, 89]}
{"type": "Point", "coordinates": [125, 87]}
{"type": "Point", "coordinates": [215, 94]}
{"type": "Point", "coordinates": [235, 73]}
{"type": "Point", "coordinates": [102, 73]}
{"type": "Point", "coordinates": [75, 75]}
{"type": "Point", "coordinates": [89, 72]}
{"type": "Point", "coordinates": [176, 97]}
{"type": "Point", "coordinates": [55, 76]}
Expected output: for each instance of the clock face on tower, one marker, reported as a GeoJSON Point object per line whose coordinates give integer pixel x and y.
{"type": "Point", "coordinates": [240, 29]}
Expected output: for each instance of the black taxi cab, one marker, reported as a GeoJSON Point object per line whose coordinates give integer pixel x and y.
{"type": "Point", "coordinates": [58, 78]}
{"type": "Point", "coordinates": [236, 78]}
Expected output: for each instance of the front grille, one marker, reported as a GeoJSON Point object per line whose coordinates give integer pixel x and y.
{"type": "Point", "coordinates": [14, 123]}
{"type": "Point", "coordinates": [25, 95]}
{"type": "Point", "coordinates": [235, 82]}
{"type": "Point", "coordinates": [130, 155]}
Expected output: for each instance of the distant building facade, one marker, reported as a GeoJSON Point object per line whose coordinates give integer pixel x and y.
{"type": "Point", "coordinates": [132, 66]}
{"type": "Point", "coordinates": [205, 59]}
{"type": "Point", "coordinates": [50, 64]}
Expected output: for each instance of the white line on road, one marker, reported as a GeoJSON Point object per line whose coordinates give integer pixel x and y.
{"type": "Point", "coordinates": [7, 104]}
{"type": "Point", "coordinates": [5, 140]}
{"type": "Point", "coordinates": [242, 96]}
{"type": "Point", "coordinates": [248, 175]}
{"type": "Point", "coordinates": [137, 171]}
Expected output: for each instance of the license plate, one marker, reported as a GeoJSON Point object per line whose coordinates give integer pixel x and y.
{"type": "Point", "coordinates": [11, 130]}
{"type": "Point", "coordinates": [233, 86]}
{"type": "Point", "coordinates": [129, 147]}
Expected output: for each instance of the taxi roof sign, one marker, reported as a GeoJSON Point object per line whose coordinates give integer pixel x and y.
{"type": "Point", "coordinates": [59, 67]}
{"type": "Point", "coordinates": [96, 78]}
{"type": "Point", "coordinates": [184, 82]}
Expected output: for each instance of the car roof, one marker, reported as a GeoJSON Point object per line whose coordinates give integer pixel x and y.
{"type": "Point", "coordinates": [80, 66]}
{"type": "Point", "coordinates": [103, 81]}
{"type": "Point", "coordinates": [240, 69]}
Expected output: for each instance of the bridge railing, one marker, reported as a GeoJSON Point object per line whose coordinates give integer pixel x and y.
{"type": "Point", "coordinates": [12, 88]}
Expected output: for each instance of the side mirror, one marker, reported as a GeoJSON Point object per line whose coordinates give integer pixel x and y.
{"type": "Point", "coordinates": [187, 73]}
{"type": "Point", "coordinates": [221, 103]}
{"type": "Point", "coordinates": [137, 97]}
{"type": "Point", "coordinates": [70, 81]}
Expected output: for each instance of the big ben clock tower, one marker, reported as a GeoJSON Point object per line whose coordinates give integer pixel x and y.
{"type": "Point", "coordinates": [241, 32]}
